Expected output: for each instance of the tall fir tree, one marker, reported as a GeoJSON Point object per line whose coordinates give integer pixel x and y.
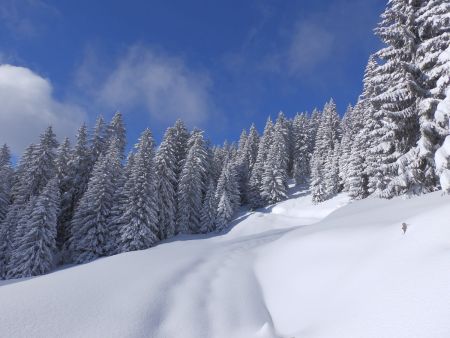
{"type": "Point", "coordinates": [255, 183]}
{"type": "Point", "coordinates": [6, 177]}
{"type": "Point", "coordinates": [242, 167]}
{"type": "Point", "coordinates": [396, 103]}
{"type": "Point", "coordinates": [166, 168]}
{"type": "Point", "coordinates": [77, 182]}
{"type": "Point", "coordinates": [209, 209]}
{"type": "Point", "coordinates": [139, 228]}
{"type": "Point", "coordinates": [116, 129]}
{"type": "Point", "coordinates": [35, 251]}
{"type": "Point", "coordinates": [192, 186]}
{"type": "Point", "coordinates": [324, 165]}
{"type": "Point", "coordinates": [432, 62]}
{"type": "Point", "coordinates": [349, 131]}
{"type": "Point", "coordinates": [62, 163]}
{"type": "Point", "coordinates": [275, 175]}
{"type": "Point", "coordinates": [92, 216]}
{"type": "Point", "coordinates": [302, 155]}
{"type": "Point", "coordinates": [227, 196]}
{"type": "Point", "coordinates": [98, 141]}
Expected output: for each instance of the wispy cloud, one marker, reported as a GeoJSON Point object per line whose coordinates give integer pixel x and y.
{"type": "Point", "coordinates": [25, 18]}
{"type": "Point", "coordinates": [28, 107]}
{"type": "Point", "coordinates": [310, 45]}
{"type": "Point", "coordinates": [148, 79]}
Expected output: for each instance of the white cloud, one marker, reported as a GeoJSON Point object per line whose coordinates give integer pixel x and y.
{"type": "Point", "coordinates": [310, 45]}
{"type": "Point", "coordinates": [160, 84]}
{"type": "Point", "coordinates": [27, 107]}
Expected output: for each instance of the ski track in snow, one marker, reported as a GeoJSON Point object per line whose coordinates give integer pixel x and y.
{"type": "Point", "coordinates": [199, 286]}
{"type": "Point", "coordinates": [277, 273]}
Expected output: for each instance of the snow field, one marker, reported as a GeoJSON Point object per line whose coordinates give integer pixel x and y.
{"type": "Point", "coordinates": [276, 273]}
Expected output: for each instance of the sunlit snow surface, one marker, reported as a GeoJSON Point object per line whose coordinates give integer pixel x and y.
{"type": "Point", "coordinates": [291, 270]}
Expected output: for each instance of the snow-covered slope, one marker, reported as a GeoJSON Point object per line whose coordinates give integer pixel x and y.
{"type": "Point", "coordinates": [276, 273]}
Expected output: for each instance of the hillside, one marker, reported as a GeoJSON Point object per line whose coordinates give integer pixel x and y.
{"type": "Point", "coordinates": [337, 269]}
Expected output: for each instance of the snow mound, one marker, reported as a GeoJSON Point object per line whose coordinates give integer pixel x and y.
{"type": "Point", "coordinates": [355, 274]}
{"type": "Point", "coordinates": [274, 274]}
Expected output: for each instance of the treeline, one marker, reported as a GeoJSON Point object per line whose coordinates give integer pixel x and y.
{"type": "Point", "coordinates": [66, 204]}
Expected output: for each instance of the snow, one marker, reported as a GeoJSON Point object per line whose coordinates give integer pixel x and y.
{"type": "Point", "coordinates": [336, 269]}
{"type": "Point", "coordinates": [442, 155]}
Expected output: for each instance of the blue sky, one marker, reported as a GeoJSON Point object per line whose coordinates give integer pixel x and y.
{"type": "Point", "coordinates": [219, 65]}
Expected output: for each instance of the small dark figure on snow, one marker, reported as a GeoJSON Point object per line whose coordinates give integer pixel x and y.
{"type": "Point", "coordinates": [404, 227]}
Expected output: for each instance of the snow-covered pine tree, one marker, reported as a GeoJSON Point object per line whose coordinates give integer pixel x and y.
{"type": "Point", "coordinates": [120, 201]}
{"type": "Point", "coordinates": [37, 167]}
{"type": "Point", "coordinates": [348, 134]}
{"type": "Point", "coordinates": [316, 116]}
{"type": "Point", "coordinates": [91, 220]}
{"type": "Point", "coordinates": [98, 142]}
{"type": "Point", "coordinates": [139, 228]}
{"type": "Point", "coordinates": [116, 129]}
{"type": "Point", "coordinates": [226, 196]}
{"type": "Point", "coordinates": [20, 195]}
{"type": "Point", "coordinates": [243, 167]}
{"type": "Point", "coordinates": [286, 129]}
{"type": "Point", "coordinates": [43, 164]}
{"type": "Point", "coordinates": [165, 162]}
{"type": "Point", "coordinates": [396, 103]}
{"type": "Point", "coordinates": [62, 162]}
{"type": "Point", "coordinates": [34, 253]}
{"type": "Point", "coordinates": [209, 209]}
{"type": "Point", "coordinates": [432, 61]}
{"type": "Point", "coordinates": [364, 163]}
{"type": "Point", "coordinates": [275, 175]}
{"type": "Point", "coordinates": [216, 163]}
{"type": "Point", "coordinates": [255, 183]}
{"type": "Point", "coordinates": [77, 181]}
{"type": "Point", "coordinates": [191, 185]}
{"type": "Point", "coordinates": [251, 146]}
{"type": "Point", "coordinates": [357, 175]}
{"type": "Point", "coordinates": [6, 176]}
{"type": "Point", "coordinates": [332, 180]}
{"type": "Point", "coordinates": [324, 165]}
{"type": "Point", "coordinates": [301, 140]}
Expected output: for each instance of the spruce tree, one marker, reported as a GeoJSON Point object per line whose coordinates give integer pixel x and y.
{"type": "Point", "coordinates": [255, 183]}
{"type": "Point", "coordinates": [76, 180]}
{"type": "Point", "coordinates": [227, 196]}
{"type": "Point", "coordinates": [91, 220]}
{"type": "Point", "coordinates": [192, 186]}
{"type": "Point", "coordinates": [116, 129]}
{"type": "Point", "coordinates": [302, 155]}
{"type": "Point", "coordinates": [396, 103]}
{"type": "Point", "coordinates": [324, 163]}
{"type": "Point", "coordinates": [242, 167]}
{"type": "Point", "coordinates": [6, 176]}
{"type": "Point", "coordinates": [275, 175]}
{"type": "Point", "coordinates": [139, 228]}
{"type": "Point", "coordinates": [166, 168]}
{"type": "Point", "coordinates": [43, 162]}
{"type": "Point", "coordinates": [209, 209]}
{"type": "Point", "coordinates": [349, 131]}
{"type": "Point", "coordinates": [98, 142]}
{"type": "Point", "coordinates": [432, 61]}
{"type": "Point", "coordinates": [35, 251]}
{"type": "Point", "coordinates": [251, 146]}
{"type": "Point", "coordinates": [62, 163]}
{"type": "Point", "coordinates": [120, 204]}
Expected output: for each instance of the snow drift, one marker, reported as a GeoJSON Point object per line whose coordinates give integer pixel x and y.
{"type": "Point", "coordinates": [291, 270]}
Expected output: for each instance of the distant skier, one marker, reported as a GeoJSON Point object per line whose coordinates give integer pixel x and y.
{"type": "Point", "coordinates": [404, 227]}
